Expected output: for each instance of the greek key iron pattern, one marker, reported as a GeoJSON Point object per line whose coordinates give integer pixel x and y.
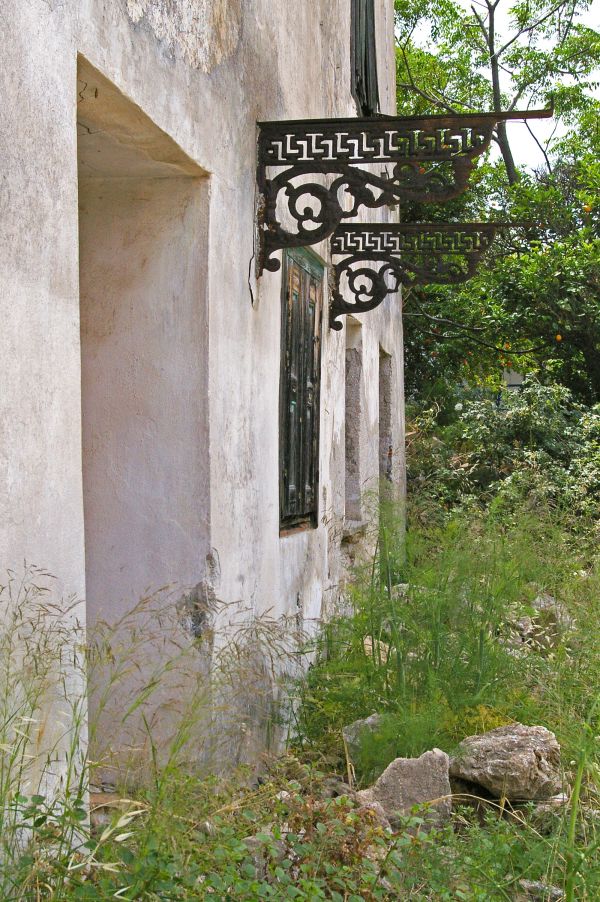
{"type": "Point", "coordinates": [312, 174]}
{"type": "Point", "coordinates": [378, 259]}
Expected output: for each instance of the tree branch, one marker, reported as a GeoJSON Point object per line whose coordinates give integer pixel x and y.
{"type": "Point", "coordinates": [419, 312]}
{"type": "Point", "coordinates": [481, 23]}
{"type": "Point", "coordinates": [412, 86]}
{"type": "Point", "coordinates": [541, 147]}
{"type": "Point", "coordinates": [529, 28]}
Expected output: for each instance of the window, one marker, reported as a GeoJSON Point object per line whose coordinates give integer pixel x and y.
{"type": "Point", "coordinates": [363, 58]}
{"type": "Point", "coordinates": [299, 389]}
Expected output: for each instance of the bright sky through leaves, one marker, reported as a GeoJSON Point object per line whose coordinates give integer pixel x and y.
{"type": "Point", "coordinates": [524, 147]}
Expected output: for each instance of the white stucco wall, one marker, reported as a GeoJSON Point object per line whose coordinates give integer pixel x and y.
{"type": "Point", "coordinates": [202, 73]}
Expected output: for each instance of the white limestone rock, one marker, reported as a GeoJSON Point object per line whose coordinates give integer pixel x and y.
{"type": "Point", "coordinates": [516, 762]}
{"type": "Point", "coordinates": [355, 732]}
{"type": "Point", "coordinates": [408, 782]}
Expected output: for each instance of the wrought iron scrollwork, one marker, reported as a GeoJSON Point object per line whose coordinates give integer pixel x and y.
{"type": "Point", "coordinates": [314, 173]}
{"type": "Point", "coordinates": [378, 259]}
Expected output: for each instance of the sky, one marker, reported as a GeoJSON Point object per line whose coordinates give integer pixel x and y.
{"type": "Point", "coordinates": [524, 147]}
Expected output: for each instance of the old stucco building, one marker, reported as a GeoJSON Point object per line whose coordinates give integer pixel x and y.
{"type": "Point", "coordinates": [145, 440]}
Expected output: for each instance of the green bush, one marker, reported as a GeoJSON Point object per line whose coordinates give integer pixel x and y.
{"type": "Point", "coordinates": [531, 447]}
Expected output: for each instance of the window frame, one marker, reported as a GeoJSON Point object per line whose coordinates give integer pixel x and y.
{"type": "Point", "coordinates": [310, 267]}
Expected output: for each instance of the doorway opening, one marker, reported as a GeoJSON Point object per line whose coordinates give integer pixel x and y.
{"type": "Point", "coordinates": [143, 237]}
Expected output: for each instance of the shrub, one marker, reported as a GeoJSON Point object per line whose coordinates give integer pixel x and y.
{"type": "Point", "coordinates": [532, 447]}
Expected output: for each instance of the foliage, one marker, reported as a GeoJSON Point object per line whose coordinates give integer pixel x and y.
{"type": "Point", "coordinates": [438, 655]}
{"type": "Point", "coordinates": [47, 849]}
{"type": "Point", "coordinates": [533, 447]}
{"type": "Point", "coordinates": [484, 60]}
{"type": "Point", "coordinates": [425, 644]}
{"type": "Point", "coordinates": [535, 308]}
{"type": "Point", "coordinates": [430, 655]}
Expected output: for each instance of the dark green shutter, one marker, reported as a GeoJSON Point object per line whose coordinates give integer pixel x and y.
{"type": "Point", "coordinates": [363, 57]}
{"type": "Point", "coordinates": [299, 389]}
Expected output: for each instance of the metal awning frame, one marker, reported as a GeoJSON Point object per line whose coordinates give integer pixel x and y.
{"type": "Point", "coordinates": [314, 173]}
{"type": "Point", "coordinates": [376, 260]}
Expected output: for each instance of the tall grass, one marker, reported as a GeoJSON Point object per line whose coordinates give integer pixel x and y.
{"type": "Point", "coordinates": [433, 646]}
{"type": "Point", "coordinates": [428, 641]}
{"type": "Point", "coordinates": [169, 706]}
{"type": "Point", "coordinates": [42, 735]}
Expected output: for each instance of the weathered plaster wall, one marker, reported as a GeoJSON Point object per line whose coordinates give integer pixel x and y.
{"type": "Point", "coordinates": [144, 376]}
{"type": "Point", "coordinates": [40, 462]}
{"type": "Point", "coordinates": [202, 32]}
{"type": "Point", "coordinates": [203, 73]}
{"type": "Point", "coordinates": [41, 512]}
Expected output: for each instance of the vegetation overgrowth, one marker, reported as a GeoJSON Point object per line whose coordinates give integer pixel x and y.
{"type": "Point", "coordinates": [536, 308]}
{"type": "Point", "coordinates": [503, 510]}
{"type": "Point", "coordinates": [503, 513]}
{"type": "Point", "coordinates": [431, 642]}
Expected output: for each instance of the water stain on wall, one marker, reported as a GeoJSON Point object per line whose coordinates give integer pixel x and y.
{"type": "Point", "coordinates": [203, 32]}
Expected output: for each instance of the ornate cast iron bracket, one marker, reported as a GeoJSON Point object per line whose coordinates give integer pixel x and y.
{"type": "Point", "coordinates": [314, 173]}
{"type": "Point", "coordinates": [378, 259]}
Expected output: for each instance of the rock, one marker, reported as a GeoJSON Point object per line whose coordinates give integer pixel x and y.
{"type": "Point", "coordinates": [550, 621]}
{"type": "Point", "coordinates": [553, 611]}
{"type": "Point", "coordinates": [534, 889]}
{"type": "Point", "coordinates": [334, 787]}
{"type": "Point", "coordinates": [554, 805]}
{"type": "Point", "coordinates": [542, 630]}
{"type": "Point", "coordinates": [526, 628]}
{"type": "Point", "coordinates": [261, 851]}
{"type": "Point", "coordinates": [407, 782]}
{"type": "Point", "coordinates": [378, 650]}
{"type": "Point", "coordinates": [355, 732]}
{"type": "Point", "coordinates": [469, 795]}
{"type": "Point", "coordinates": [545, 815]}
{"type": "Point", "coordinates": [516, 762]}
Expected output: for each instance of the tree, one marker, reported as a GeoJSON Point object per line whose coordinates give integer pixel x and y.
{"type": "Point", "coordinates": [495, 57]}
{"type": "Point", "coordinates": [538, 307]}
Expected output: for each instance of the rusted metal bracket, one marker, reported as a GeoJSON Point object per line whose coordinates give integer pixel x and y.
{"type": "Point", "coordinates": [313, 173]}
{"type": "Point", "coordinates": [378, 259]}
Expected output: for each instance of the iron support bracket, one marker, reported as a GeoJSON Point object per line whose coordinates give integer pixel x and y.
{"type": "Point", "coordinates": [379, 259]}
{"type": "Point", "coordinates": [314, 173]}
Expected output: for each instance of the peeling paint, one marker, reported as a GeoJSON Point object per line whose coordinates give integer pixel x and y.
{"type": "Point", "coordinates": [203, 32]}
{"type": "Point", "coordinates": [196, 610]}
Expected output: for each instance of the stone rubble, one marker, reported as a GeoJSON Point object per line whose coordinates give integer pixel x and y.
{"type": "Point", "coordinates": [355, 732]}
{"type": "Point", "coordinates": [543, 629]}
{"type": "Point", "coordinates": [540, 892]}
